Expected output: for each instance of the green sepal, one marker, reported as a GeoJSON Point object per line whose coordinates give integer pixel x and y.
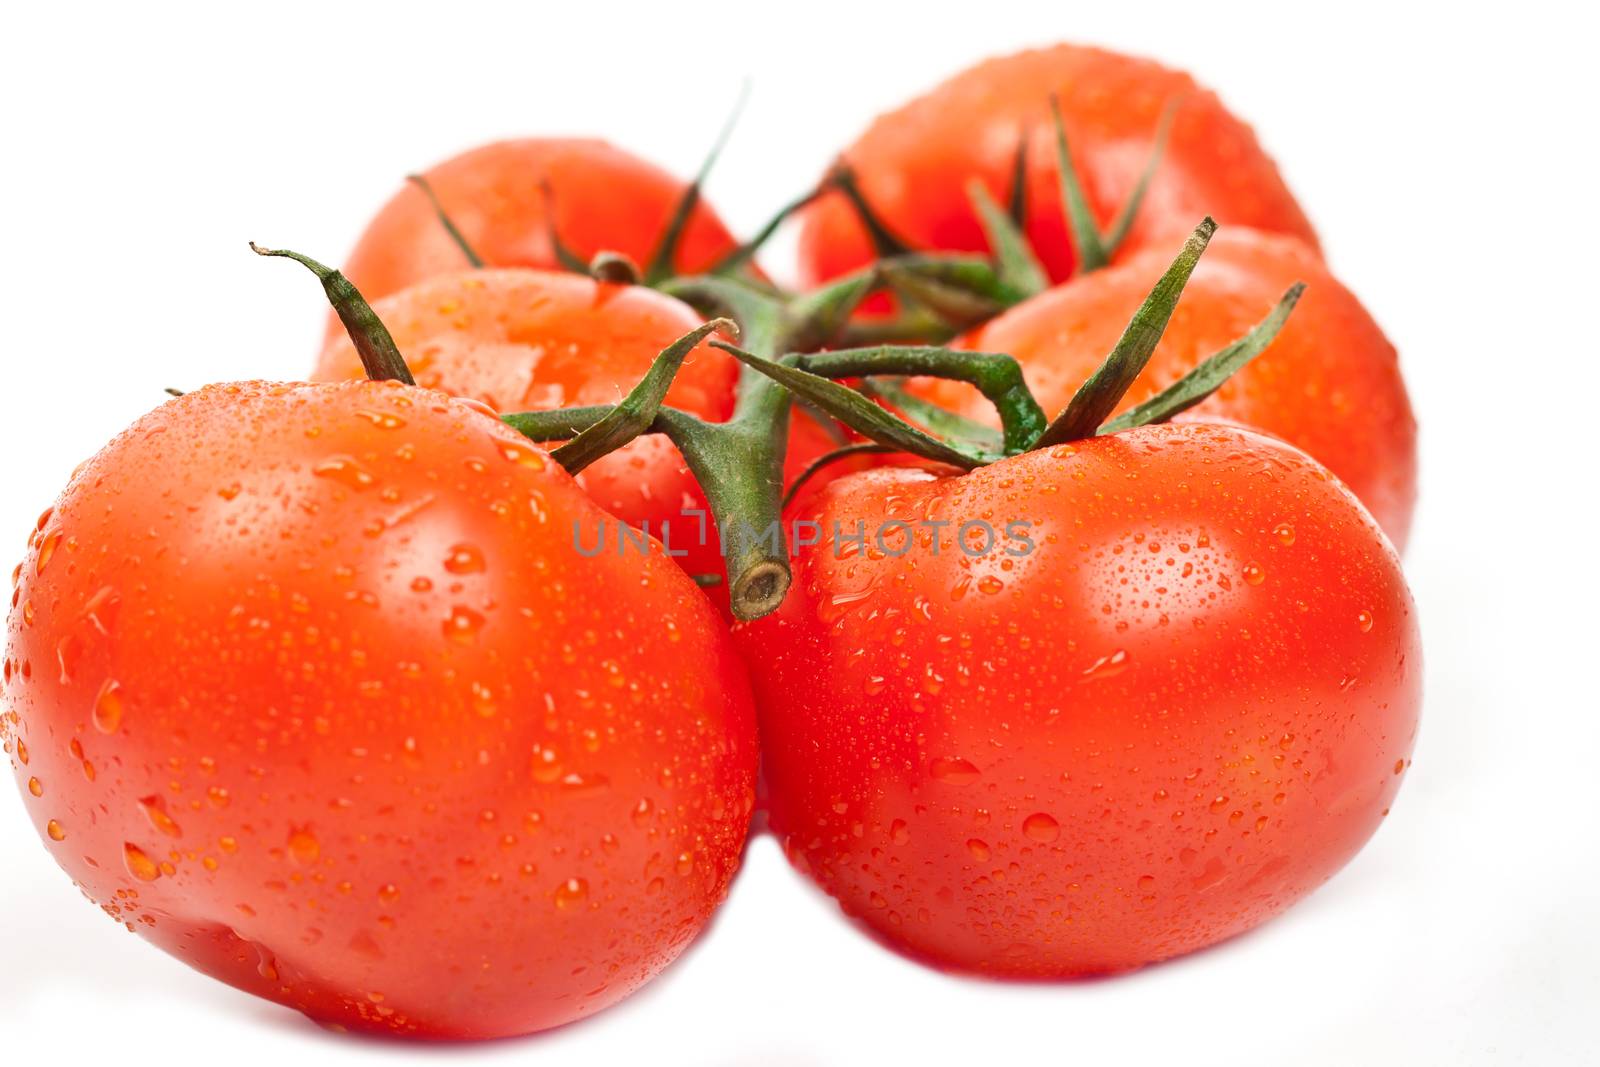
{"type": "Point", "coordinates": [636, 412]}
{"type": "Point", "coordinates": [444, 220]}
{"type": "Point", "coordinates": [1208, 376]}
{"type": "Point", "coordinates": [941, 422]}
{"type": "Point", "coordinates": [1015, 264]}
{"type": "Point", "coordinates": [1098, 397]}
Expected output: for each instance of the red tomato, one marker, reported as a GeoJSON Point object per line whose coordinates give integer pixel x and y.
{"type": "Point", "coordinates": [1186, 707]}
{"type": "Point", "coordinates": [309, 687]}
{"type": "Point", "coordinates": [1329, 384]}
{"type": "Point", "coordinates": [523, 340]}
{"type": "Point", "coordinates": [914, 164]}
{"type": "Point", "coordinates": [604, 199]}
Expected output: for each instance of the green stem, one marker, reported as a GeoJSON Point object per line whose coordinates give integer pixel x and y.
{"type": "Point", "coordinates": [380, 357]}
{"type": "Point", "coordinates": [998, 377]}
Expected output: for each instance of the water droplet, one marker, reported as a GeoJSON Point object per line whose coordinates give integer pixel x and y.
{"type": "Point", "coordinates": [139, 865]}
{"type": "Point", "coordinates": [155, 813]}
{"type": "Point", "coordinates": [1254, 573]}
{"type": "Point", "coordinates": [1041, 827]}
{"type": "Point", "coordinates": [979, 849]}
{"type": "Point", "coordinates": [36, 787]}
{"type": "Point", "coordinates": [55, 831]}
{"type": "Point", "coordinates": [383, 420]}
{"type": "Point", "coordinates": [107, 712]}
{"type": "Point", "coordinates": [953, 770]}
{"type": "Point", "coordinates": [47, 548]}
{"type": "Point", "coordinates": [1108, 666]}
{"type": "Point", "coordinates": [1399, 765]}
{"type": "Point", "coordinates": [464, 559]}
{"type": "Point", "coordinates": [898, 833]}
{"type": "Point", "coordinates": [641, 812]}
{"type": "Point", "coordinates": [303, 846]}
{"type": "Point", "coordinates": [463, 625]}
{"type": "Point", "coordinates": [389, 893]}
{"type": "Point", "coordinates": [571, 893]}
{"type": "Point", "coordinates": [1284, 533]}
{"type": "Point", "coordinates": [1364, 621]}
{"type": "Point", "coordinates": [1147, 882]}
{"type": "Point", "coordinates": [346, 471]}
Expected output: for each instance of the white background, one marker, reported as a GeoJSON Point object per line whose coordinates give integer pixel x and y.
{"type": "Point", "coordinates": [1448, 160]}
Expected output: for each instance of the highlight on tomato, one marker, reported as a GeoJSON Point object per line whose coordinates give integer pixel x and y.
{"type": "Point", "coordinates": [332, 711]}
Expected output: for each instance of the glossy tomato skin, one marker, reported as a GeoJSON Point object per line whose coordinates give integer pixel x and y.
{"type": "Point", "coordinates": [307, 686]}
{"type": "Point", "coordinates": [604, 199]}
{"type": "Point", "coordinates": [914, 164]}
{"type": "Point", "coordinates": [526, 340]}
{"type": "Point", "coordinates": [1330, 384]}
{"type": "Point", "coordinates": [1186, 707]}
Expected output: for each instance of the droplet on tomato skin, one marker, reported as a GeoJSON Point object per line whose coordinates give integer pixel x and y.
{"type": "Point", "coordinates": [1041, 827]}
{"type": "Point", "coordinates": [22, 752]}
{"type": "Point", "coordinates": [388, 893]}
{"type": "Point", "coordinates": [464, 559]}
{"type": "Point", "coordinates": [898, 832]}
{"type": "Point", "coordinates": [47, 549]}
{"type": "Point", "coordinates": [571, 893]}
{"type": "Point", "coordinates": [463, 625]}
{"type": "Point", "coordinates": [1107, 666]}
{"type": "Point", "coordinates": [107, 711]}
{"type": "Point", "coordinates": [1284, 533]}
{"type": "Point", "coordinates": [55, 830]}
{"type": "Point", "coordinates": [155, 813]}
{"type": "Point", "coordinates": [978, 848]}
{"type": "Point", "coordinates": [1364, 621]}
{"type": "Point", "coordinates": [383, 420]}
{"type": "Point", "coordinates": [346, 471]}
{"type": "Point", "coordinates": [304, 848]}
{"type": "Point", "coordinates": [138, 864]}
{"type": "Point", "coordinates": [1254, 573]}
{"type": "Point", "coordinates": [36, 787]}
{"type": "Point", "coordinates": [953, 770]}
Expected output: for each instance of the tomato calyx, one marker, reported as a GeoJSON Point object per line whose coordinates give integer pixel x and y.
{"type": "Point", "coordinates": [739, 463]}
{"type": "Point", "coordinates": [999, 378]}
{"type": "Point", "coordinates": [959, 290]}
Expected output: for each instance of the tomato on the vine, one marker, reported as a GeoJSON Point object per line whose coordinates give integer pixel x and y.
{"type": "Point", "coordinates": [913, 165]}
{"type": "Point", "coordinates": [1330, 385]}
{"type": "Point", "coordinates": [1088, 707]}
{"type": "Point", "coordinates": [308, 686]}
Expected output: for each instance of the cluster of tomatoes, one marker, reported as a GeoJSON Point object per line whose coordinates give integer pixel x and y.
{"type": "Point", "coordinates": [372, 697]}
